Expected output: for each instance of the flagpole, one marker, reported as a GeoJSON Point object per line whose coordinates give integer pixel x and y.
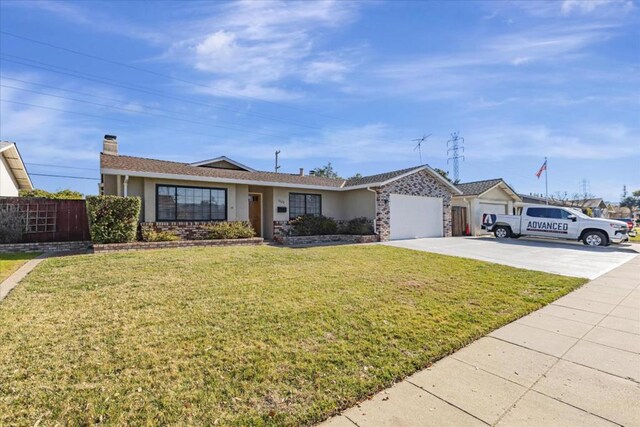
{"type": "Point", "coordinates": [546, 183]}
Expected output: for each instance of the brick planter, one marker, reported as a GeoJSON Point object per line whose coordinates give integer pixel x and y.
{"type": "Point", "coordinates": [45, 247]}
{"type": "Point", "coordinates": [134, 246]}
{"type": "Point", "coordinates": [331, 238]}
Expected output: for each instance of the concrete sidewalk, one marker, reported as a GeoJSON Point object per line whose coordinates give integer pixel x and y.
{"type": "Point", "coordinates": [573, 362]}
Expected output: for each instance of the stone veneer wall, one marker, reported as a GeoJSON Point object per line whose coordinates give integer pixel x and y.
{"type": "Point", "coordinates": [133, 246]}
{"type": "Point", "coordinates": [329, 238]}
{"type": "Point", "coordinates": [45, 247]}
{"type": "Point", "coordinates": [282, 229]}
{"type": "Point", "coordinates": [417, 184]}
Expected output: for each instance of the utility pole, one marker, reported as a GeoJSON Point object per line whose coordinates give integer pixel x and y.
{"type": "Point", "coordinates": [419, 145]}
{"type": "Point", "coordinates": [277, 165]}
{"type": "Point", "coordinates": [454, 146]}
{"type": "Point", "coordinates": [624, 191]}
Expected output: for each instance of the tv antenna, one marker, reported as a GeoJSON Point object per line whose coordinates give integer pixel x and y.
{"type": "Point", "coordinates": [454, 146]}
{"type": "Point", "coordinates": [277, 165]}
{"type": "Point", "coordinates": [419, 145]}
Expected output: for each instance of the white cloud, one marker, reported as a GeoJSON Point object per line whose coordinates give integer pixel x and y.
{"type": "Point", "coordinates": [258, 49]}
{"type": "Point", "coordinates": [588, 6]}
{"type": "Point", "coordinates": [586, 142]}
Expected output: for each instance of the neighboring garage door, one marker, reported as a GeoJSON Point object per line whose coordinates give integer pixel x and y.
{"type": "Point", "coordinates": [415, 216]}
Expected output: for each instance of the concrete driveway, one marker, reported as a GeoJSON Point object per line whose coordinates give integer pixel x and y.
{"type": "Point", "coordinates": [551, 256]}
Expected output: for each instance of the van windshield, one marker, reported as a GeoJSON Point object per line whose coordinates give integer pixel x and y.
{"type": "Point", "coordinates": [578, 213]}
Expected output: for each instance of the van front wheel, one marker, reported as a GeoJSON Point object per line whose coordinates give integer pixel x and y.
{"type": "Point", "coordinates": [594, 238]}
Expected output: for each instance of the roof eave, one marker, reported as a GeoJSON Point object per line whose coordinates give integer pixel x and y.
{"type": "Point", "coordinates": [182, 177]}
{"type": "Point", "coordinates": [20, 173]}
{"type": "Point", "coordinates": [223, 158]}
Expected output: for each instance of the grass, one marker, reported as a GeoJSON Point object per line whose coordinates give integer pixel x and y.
{"type": "Point", "coordinates": [244, 335]}
{"type": "Point", "coordinates": [10, 262]}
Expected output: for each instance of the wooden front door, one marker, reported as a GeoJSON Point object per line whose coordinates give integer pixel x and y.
{"type": "Point", "coordinates": [255, 213]}
{"type": "Point", "coordinates": [459, 220]}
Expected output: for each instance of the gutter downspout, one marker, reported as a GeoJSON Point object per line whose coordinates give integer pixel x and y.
{"type": "Point", "coordinates": [375, 210]}
{"type": "Point", "coordinates": [126, 185]}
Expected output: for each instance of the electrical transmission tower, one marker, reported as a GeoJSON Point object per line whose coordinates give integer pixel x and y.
{"type": "Point", "coordinates": [454, 147]}
{"type": "Point", "coordinates": [584, 188]}
{"type": "Point", "coordinates": [419, 145]}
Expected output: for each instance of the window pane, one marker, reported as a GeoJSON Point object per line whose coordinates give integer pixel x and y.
{"type": "Point", "coordinates": [534, 212]}
{"type": "Point", "coordinates": [218, 205]}
{"type": "Point", "coordinates": [166, 203]}
{"type": "Point", "coordinates": [313, 204]}
{"type": "Point", "coordinates": [296, 205]}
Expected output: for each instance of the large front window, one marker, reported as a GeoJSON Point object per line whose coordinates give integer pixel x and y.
{"type": "Point", "coordinates": [175, 203]}
{"type": "Point", "coordinates": [304, 204]}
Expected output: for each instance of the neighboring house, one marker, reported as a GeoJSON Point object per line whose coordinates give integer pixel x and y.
{"type": "Point", "coordinates": [480, 197]}
{"type": "Point", "coordinates": [13, 173]}
{"type": "Point", "coordinates": [408, 203]}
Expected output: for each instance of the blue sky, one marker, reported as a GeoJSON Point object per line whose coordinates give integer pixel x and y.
{"type": "Point", "coordinates": [352, 83]}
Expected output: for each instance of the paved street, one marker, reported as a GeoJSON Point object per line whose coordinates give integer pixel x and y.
{"type": "Point", "coordinates": [574, 362]}
{"type": "Point", "coordinates": [552, 256]}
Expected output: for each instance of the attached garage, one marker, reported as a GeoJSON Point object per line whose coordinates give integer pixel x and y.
{"type": "Point", "coordinates": [414, 217]}
{"type": "Point", "coordinates": [492, 196]}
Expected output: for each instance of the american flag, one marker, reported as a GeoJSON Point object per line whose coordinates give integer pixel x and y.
{"type": "Point", "coordinates": [542, 169]}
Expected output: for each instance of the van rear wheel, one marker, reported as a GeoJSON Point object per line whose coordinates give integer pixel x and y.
{"type": "Point", "coordinates": [594, 238]}
{"type": "Point", "coordinates": [502, 232]}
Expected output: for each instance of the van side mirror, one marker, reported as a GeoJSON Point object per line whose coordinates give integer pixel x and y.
{"type": "Point", "coordinates": [572, 218]}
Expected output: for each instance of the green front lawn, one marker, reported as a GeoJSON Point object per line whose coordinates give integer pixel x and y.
{"type": "Point", "coordinates": [243, 335]}
{"type": "Point", "coordinates": [10, 262]}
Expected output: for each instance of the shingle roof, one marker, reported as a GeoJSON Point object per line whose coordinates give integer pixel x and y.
{"type": "Point", "coordinates": [381, 177]}
{"type": "Point", "coordinates": [140, 164]}
{"type": "Point", "coordinates": [478, 187]}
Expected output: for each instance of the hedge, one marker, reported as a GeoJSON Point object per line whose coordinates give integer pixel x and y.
{"type": "Point", "coordinates": [113, 219]}
{"type": "Point", "coordinates": [231, 230]}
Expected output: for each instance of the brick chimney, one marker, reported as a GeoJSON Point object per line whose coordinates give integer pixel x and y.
{"type": "Point", "coordinates": [110, 145]}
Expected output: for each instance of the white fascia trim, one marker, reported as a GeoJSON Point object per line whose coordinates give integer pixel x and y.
{"type": "Point", "coordinates": [222, 158]}
{"type": "Point", "coordinates": [213, 179]}
{"type": "Point", "coordinates": [20, 173]}
{"type": "Point", "coordinates": [435, 174]}
{"type": "Point", "coordinates": [506, 189]}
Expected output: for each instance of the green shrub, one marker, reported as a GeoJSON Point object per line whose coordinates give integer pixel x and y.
{"type": "Point", "coordinates": [357, 226]}
{"type": "Point", "coordinates": [309, 225]}
{"type": "Point", "coordinates": [113, 219]}
{"type": "Point", "coordinates": [150, 235]}
{"type": "Point", "coordinates": [231, 230]}
{"type": "Point", "coordinates": [66, 194]}
{"type": "Point", "coordinates": [11, 224]}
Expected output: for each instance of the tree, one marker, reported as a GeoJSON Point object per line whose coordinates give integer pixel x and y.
{"type": "Point", "coordinates": [356, 176]}
{"type": "Point", "coordinates": [632, 201]}
{"type": "Point", "coordinates": [325, 171]}
{"type": "Point", "coordinates": [60, 194]}
{"type": "Point", "coordinates": [445, 175]}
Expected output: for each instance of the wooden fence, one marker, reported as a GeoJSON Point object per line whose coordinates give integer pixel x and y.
{"type": "Point", "coordinates": [50, 220]}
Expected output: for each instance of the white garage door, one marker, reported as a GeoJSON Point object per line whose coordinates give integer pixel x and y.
{"type": "Point", "coordinates": [415, 216]}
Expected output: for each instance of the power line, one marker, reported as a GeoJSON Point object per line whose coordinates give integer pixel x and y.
{"type": "Point", "coordinates": [138, 88]}
{"type": "Point", "coordinates": [64, 176]}
{"type": "Point", "coordinates": [97, 117]}
{"type": "Point", "coordinates": [130, 110]}
{"type": "Point", "coordinates": [151, 107]}
{"type": "Point", "coordinates": [59, 166]}
{"type": "Point", "coordinates": [155, 73]}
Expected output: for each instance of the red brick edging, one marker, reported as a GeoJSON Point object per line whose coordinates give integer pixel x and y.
{"type": "Point", "coordinates": [134, 246]}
